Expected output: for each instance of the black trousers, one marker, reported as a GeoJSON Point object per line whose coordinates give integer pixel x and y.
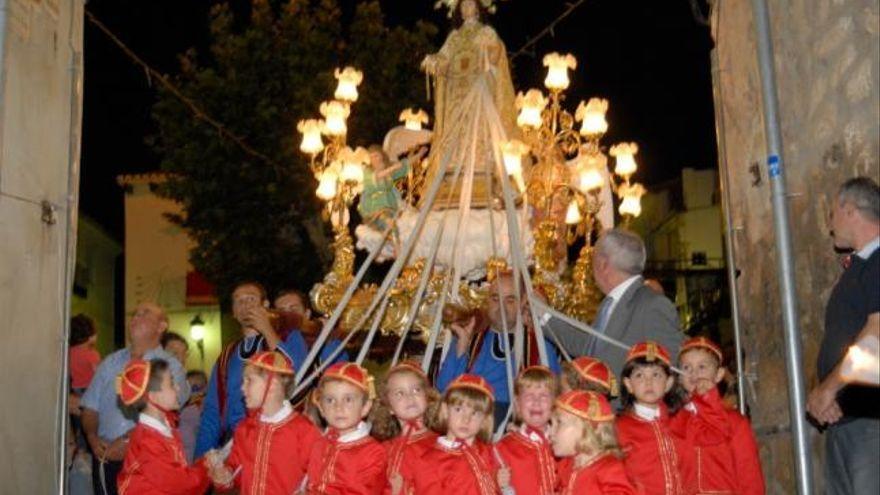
{"type": "Point", "coordinates": [110, 471]}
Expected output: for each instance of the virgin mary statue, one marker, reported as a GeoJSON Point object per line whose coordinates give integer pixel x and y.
{"type": "Point", "coordinates": [473, 96]}
{"type": "Point", "coordinates": [474, 113]}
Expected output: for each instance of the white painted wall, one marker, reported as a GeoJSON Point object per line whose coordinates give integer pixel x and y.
{"type": "Point", "coordinates": [40, 115]}
{"type": "Point", "coordinates": [156, 264]}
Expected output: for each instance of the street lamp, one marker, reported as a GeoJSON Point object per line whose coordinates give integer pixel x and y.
{"type": "Point", "coordinates": [197, 333]}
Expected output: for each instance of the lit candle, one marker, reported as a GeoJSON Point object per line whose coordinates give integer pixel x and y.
{"type": "Point", "coordinates": [353, 161]}
{"type": "Point", "coordinates": [414, 119]}
{"type": "Point", "coordinates": [592, 117]}
{"type": "Point", "coordinates": [349, 79]}
{"type": "Point", "coordinates": [557, 70]}
{"type": "Point", "coordinates": [589, 172]}
{"type": "Point", "coordinates": [311, 131]}
{"type": "Point", "coordinates": [530, 105]}
{"type": "Point", "coordinates": [335, 113]}
{"type": "Point", "coordinates": [625, 163]}
{"type": "Point", "coordinates": [573, 213]}
{"type": "Point", "coordinates": [631, 199]}
{"type": "Point", "coordinates": [327, 185]}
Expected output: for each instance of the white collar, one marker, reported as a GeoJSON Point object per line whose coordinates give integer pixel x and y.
{"type": "Point", "coordinates": [362, 430]}
{"type": "Point", "coordinates": [869, 249]}
{"type": "Point", "coordinates": [617, 292]}
{"type": "Point", "coordinates": [450, 444]}
{"type": "Point", "coordinates": [279, 416]}
{"type": "Point", "coordinates": [156, 424]}
{"type": "Point", "coordinates": [645, 412]}
{"type": "Point", "coordinates": [531, 435]}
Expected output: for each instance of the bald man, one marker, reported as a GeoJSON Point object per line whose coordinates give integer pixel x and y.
{"type": "Point", "coordinates": [105, 426]}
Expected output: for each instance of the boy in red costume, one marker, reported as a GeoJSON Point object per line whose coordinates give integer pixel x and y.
{"type": "Point", "coordinates": [583, 431]}
{"type": "Point", "coordinates": [526, 450]}
{"type": "Point", "coordinates": [727, 453]}
{"type": "Point", "coordinates": [346, 460]}
{"type": "Point", "coordinates": [271, 446]}
{"type": "Point", "coordinates": [589, 374]}
{"type": "Point", "coordinates": [155, 462]}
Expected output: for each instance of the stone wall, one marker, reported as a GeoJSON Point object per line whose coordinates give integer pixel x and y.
{"type": "Point", "coordinates": [40, 102]}
{"type": "Point", "coordinates": [827, 56]}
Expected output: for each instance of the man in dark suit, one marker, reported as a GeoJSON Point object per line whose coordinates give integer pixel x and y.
{"type": "Point", "coordinates": [631, 311]}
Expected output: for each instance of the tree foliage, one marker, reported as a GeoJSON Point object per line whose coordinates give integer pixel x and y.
{"type": "Point", "coordinates": [259, 219]}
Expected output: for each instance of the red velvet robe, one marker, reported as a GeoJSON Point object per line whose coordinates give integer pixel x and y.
{"type": "Point", "coordinates": [603, 475]}
{"type": "Point", "coordinates": [657, 461]}
{"type": "Point", "coordinates": [405, 447]}
{"type": "Point", "coordinates": [353, 464]}
{"type": "Point", "coordinates": [530, 459]}
{"type": "Point", "coordinates": [156, 464]}
{"type": "Point", "coordinates": [727, 460]}
{"type": "Point", "coordinates": [271, 458]}
{"type": "Point", "coordinates": [458, 469]}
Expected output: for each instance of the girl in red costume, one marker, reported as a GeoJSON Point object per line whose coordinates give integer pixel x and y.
{"type": "Point", "coordinates": [154, 461]}
{"type": "Point", "coordinates": [657, 461]}
{"type": "Point", "coordinates": [406, 400]}
{"type": "Point", "coordinates": [526, 450]}
{"type": "Point", "coordinates": [461, 462]}
{"type": "Point", "coordinates": [583, 431]}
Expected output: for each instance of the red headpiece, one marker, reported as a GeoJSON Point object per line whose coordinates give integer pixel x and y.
{"type": "Point", "coordinates": [351, 373]}
{"type": "Point", "coordinates": [131, 384]}
{"type": "Point", "coordinates": [588, 405]}
{"type": "Point", "coordinates": [595, 371]}
{"type": "Point", "coordinates": [651, 351]}
{"type": "Point", "coordinates": [702, 343]}
{"type": "Point", "coordinates": [473, 382]}
{"type": "Point", "coordinates": [273, 361]}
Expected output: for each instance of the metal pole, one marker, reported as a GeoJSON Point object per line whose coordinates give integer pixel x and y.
{"type": "Point", "coordinates": [773, 135]}
{"type": "Point", "coordinates": [75, 71]}
{"type": "Point", "coordinates": [729, 233]}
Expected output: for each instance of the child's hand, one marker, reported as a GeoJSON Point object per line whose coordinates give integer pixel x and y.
{"type": "Point", "coordinates": [396, 484]}
{"type": "Point", "coordinates": [464, 333]}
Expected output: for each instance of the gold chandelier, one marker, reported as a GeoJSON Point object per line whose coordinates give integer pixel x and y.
{"type": "Point", "coordinates": [566, 182]}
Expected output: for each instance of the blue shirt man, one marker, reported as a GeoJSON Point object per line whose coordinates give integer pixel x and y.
{"type": "Point", "coordinates": [104, 425]}
{"type": "Point", "coordinates": [483, 353]}
{"type": "Point", "coordinates": [224, 405]}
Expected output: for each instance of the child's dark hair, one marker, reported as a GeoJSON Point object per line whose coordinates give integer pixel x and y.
{"type": "Point", "coordinates": [168, 337]}
{"type": "Point", "coordinates": [158, 369]}
{"type": "Point", "coordinates": [674, 399]}
{"type": "Point", "coordinates": [81, 329]}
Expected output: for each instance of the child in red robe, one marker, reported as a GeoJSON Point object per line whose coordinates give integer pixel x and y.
{"type": "Point", "coordinates": [583, 431]}
{"type": "Point", "coordinates": [346, 460]}
{"type": "Point", "coordinates": [406, 400]}
{"type": "Point", "coordinates": [727, 453]}
{"type": "Point", "coordinates": [590, 375]}
{"type": "Point", "coordinates": [270, 448]}
{"type": "Point", "coordinates": [461, 462]}
{"type": "Point", "coordinates": [154, 461]}
{"type": "Point", "coordinates": [526, 450]}
{"type": "Point", "coordinates": [657, 461]}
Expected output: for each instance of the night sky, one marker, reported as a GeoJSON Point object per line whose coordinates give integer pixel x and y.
{"type": "Point", "coordinates": [650, 58]}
